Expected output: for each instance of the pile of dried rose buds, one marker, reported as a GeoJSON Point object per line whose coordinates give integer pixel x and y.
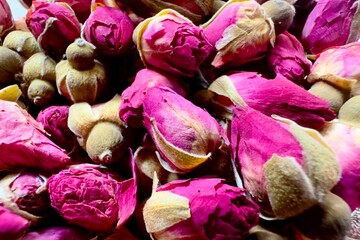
{"type": "Point", "coordinates": [151, 119]}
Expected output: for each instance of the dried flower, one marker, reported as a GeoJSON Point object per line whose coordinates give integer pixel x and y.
{"type": "Point", "coordinates": [350, 111]}
{"type": "Point", "coordinates": [288, 58]}
{"type": "Point", "coordinates": [22, 42]}
{"type": "Point", "coordinates": [278, 96]}
{"type": "Point", "coordinates": [286, 168]}
{"type": "Point", "coordinates": [281, 12]}
{"type": "Point", "coordinates": [11, 64]}
{"type": "Point", "coordinates": [80, 7]}
{"type": "Point", "coordinates": [241, 32]}
{"type": "Point", "coordinates": [184, 134]}
{"type": "Point", "coordinates": [110, 30]}
{"type": "Point", "coordinates": [12, 226]}
{"type": "Point", "coordinates": [6, 19]}
{"type": "Point", "coordinates": [92, 197]}
{"type": "Point", "coordinates": [25, 193]}
{"type": "Point", "coordinates": [167, 37]}
{"type": "Point", "coordinates": [54, 119]}
{"type": "Point", "coordinates": [100, 131]}
{"type": "Point", "coordinates": [54, 25]}
{"type": "Point", "coordinates": [328, 25]}
{"type": "Point", "coordinates": [59, 233]}
{"type": "Point", "coordinates": [132, 97]}
{"type": "Point", "coordinates": [199, 209]}
{"type": "Point", "coordinates": [28, 145]}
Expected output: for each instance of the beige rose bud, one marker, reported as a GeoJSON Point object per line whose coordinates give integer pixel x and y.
{"type": "Point", "coordinates": [80, 54]}
{"type": "Point", "coordinates": [11, 64]}
{"type": "Point", "coordinates": [350, 111]}
{"type": "Point", "coordinates": [39, 79]}
{"type": "Point", "coordinates": [281, 13]}
{"type": "Point", "coordinates": [22, 42]}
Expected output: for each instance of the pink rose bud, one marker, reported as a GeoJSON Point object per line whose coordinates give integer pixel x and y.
{"type": "Point", "coordinates": [110, 30]}
{"type": "Point", "coordinates": [92, 197]}
{"type": "Point", "coordinates": [185, 135]}
{"type": "Point", "coordinates": [6, 19]}
{"type": "Point", "coordinates": [195, 10]}
{"type": "Point", "coordinates": [12, 226]}
{"type": "Point", "coordinates": [132, 97]}
{"type": "Point", "coordinates": [328, 25]}
{"type": "Point", "coordinates": [338, 67]}
{"type": "Point", "coordinates": [199, 209]}
{"type": "Point", "coordinates": [59, 233]}
{"type": "Point", "coordinates": [24, 142]}
{"type": "Point", "coordinates": [241, 33]}
{"type": "Point", "coordinates": [26, 3]}
{"type": "Point", "coordinates": [278, 96]}
{"type": "Point", "coordinates": [54, 25]}
{"type": "Point", "coordinates": [80, 7]}
{"type": "Point", "coordinates": [286, 168]}
{"type": "Point", "coordinates": [54, 119]}
{"type": "Point", "coordinates": [172, 43]}
{"type": "Point", "coordinates": [288, 58]}
{"type": "Point", "coordinates": [26, 194]}
{"type": "Point", "coordinates": [343, 138]}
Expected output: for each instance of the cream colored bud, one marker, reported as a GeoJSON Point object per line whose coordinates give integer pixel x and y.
{"type": "Point", "coordinates": [350, 111]}
{"type": "Point", "coordinates": [39, 66]}
{"type": "Point", "coordinates": [41, 92]}
{"type": "Point", "coordinates": [22, 42]}
{"type": "Point", "coordinates": [11, 64]}
{"type": "Point", "coordinates": [80, 54]}
{"type": "Point", "coordinates": [281, 12]}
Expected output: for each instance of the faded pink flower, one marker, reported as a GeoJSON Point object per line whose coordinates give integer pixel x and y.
{"type": "Point", "coordinates": [6, 19]}
{"type": "Point", "coordinates": [132, 97]}
{"type": "Point", "coordinates": [288, 58]}
{"type": "Point", "coordinates": [328, 24]}
{"type": "Point", "coordinates": [92, 197]}
{"type": "Point", "coordinates": [184, 134]}
{"type": "Point", "coordinates": [172, 43]}
{"type": "Point", "coordinates": [12, 226]}
{"type": "Point", "coordinates": [54, 25]}
{"type": "Point", "coordinates": [110, 30]}
{"type": "Point", "coordinates": [81, 8]}
{"type": "Point", "coordinates": [24, 142]}
{"type": "Point", "coordinates": [199, 209]}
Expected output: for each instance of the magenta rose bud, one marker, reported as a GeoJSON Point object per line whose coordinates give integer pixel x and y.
{"type": "Point", "coordinates": [203, 208]}
{"type": "Point", "coordinates": [288, 58]}
{"type": "Point", "coordinates": [132, 97]}
{"type": "Point", "coordinates": [59, 233]}
{"type": "Point", "coordinates": [286, 168]}
{"type": "Point", "coordinates": [185, 135]}
{"type": "Point", "coordinates": [12, 226]}
{"type": "Point", "coordinates": [24, 142]}
{"type": "Point", "coordinates": [81, 8]}
{"type": "Point", "coordinates": [328, 25]}
{"type": "Point", "coordinates": [110, 30]}
{"type": "Point", "coordinates": [241, 32]}
{"type": "Point", "coordinates": [172, 43]}
{"type": "Point", "coordinates": [275, 96]}
{"type": "Point", "coordinates": [26, 194]}
{"type": "Point", "coordinates": [54, 25]}
{"type": "Point", "coordinates": [54, 119]}
{"type": "Point", "coordinates": [6, 19]}
{"type": "Point", "coordinates": [92, 197]}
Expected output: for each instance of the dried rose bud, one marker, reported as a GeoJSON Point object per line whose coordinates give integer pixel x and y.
{"type": "Point", "coordinates": [184, 134]}
{"type": "Point", "coordinates": [131, 108]}
{"type": "Point", "coordinates": [199, 209]}
{"type": "Point", "coordinates": [80, 7]}
{"type": "Point", "coordinates": [328, 25]}
{"type": "Point", "coordinates": [59, 233]}
{"type": "Point", "coordinates": [22, 42]}
{"type": "Point", "coordinates": [337, 66]}
{"type": "Point", "coordinates": [24, 142]}
{"type": "Point", "coordinates": [277, 96]}
{"type": "Point", "coordinates": [288, 58]}
{"type": "Point", "coordinates": [330, 219]}
{"type": "Point", "coordinates": [54, 119]}
{"type": "Point", "coordinates": [343, 139]}
{"type": "Point", "coordinates": [241, 32]}
{"type": "Point", "coordinates": [92, 197]}
{"type": "Point", "coordinates": [99, 130]}
{"type": "Point", "coordinates": [281, 12]}
{"type": "Point", "coordinates": [26, 3]}
{"type": "Point", "coordinates": [6, 19]}
{"type": "Point", "coordinates": [25, 193]}
{"type": "Point", "coordinates": [54, 25]}
{"type": "Point", "coordinates": [167, 37]}
{"type": "Point", "coordinates": [81, 78]}
{"type": "Point", "coordinates": [12, 226]}
{"type": "Point", "coordinates": [39, 79]}
{"type": "Point", "coordinates": [350, 111]}
{"type": "Point", "coordinates": [11, 64]}
{"type": "Point", "coordinates": [110, 30]}
{"type": "Point", "coordinates": [195, 10]}
{"type": "Point", "coordinates": [286, 168]}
